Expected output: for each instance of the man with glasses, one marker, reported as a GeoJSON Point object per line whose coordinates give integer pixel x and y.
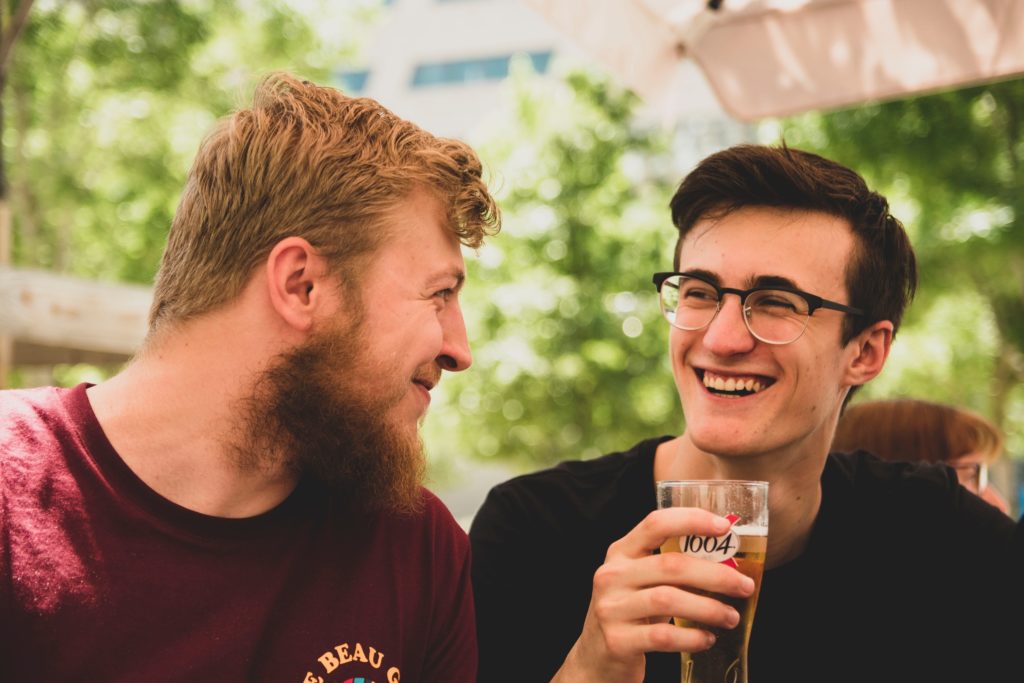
{"type": "Point", "coordinates": [790, 280]}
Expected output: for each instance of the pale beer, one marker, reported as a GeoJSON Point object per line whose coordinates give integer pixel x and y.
{"type": "Point", "coordinates": [726, 660]}
{"type": "Point", "coordinates": [745, 505]}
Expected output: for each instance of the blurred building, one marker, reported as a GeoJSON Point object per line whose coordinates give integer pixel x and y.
{"type": "Point", "coordinates": [443, 64]}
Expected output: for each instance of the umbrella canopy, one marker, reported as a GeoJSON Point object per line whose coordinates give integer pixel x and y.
{"type": "Point", "coordinates": [767, 58]}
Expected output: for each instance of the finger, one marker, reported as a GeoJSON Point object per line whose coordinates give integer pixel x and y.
{"type": "Point", "coordinates": [672, 569]}
{"type": "Point", "coordinates": [661, 637]}
{"type": "Point", "coordinates": [699, 574]}
{"type": "Point", "coordinates": [660, 525]}
{"type": "Point", "coordinates": [660, 603]}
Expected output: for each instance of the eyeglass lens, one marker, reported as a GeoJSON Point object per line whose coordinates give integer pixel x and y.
{"type": "Point", "coordinates": [771, 315]}
{"type": "Point", "coordinates": [969, 475]}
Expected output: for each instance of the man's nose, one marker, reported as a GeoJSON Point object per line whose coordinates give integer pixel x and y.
{"type": "Point", "coordinates": [727, 334]}
{"type": "Point", "coordinates": [455, 355]}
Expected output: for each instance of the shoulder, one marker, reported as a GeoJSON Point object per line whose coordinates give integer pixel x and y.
{"type": "Point", "coordinates": [35, 424]}
{"type": "Point", "coordinates": [587, 475]}
{"type": "Point", "coordinates": [440, 520]}
{"type": "Point", "coordinates": [866, 477]}
{"type": "Point", "coordinates": [432, 517]}
{"type": "Point", "coordinates": [923, 494]}
{"type": "Point", "coordinates": [430, 534]}
{"type": "Point", "coordinates": [577, 482]}
{"type": "Point", "coordinates": [25, 411]}
{"type": "Point", "coordinates": [574, 493]}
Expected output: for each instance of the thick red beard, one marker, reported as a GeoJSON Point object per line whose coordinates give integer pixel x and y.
{"type": "Point", "coordinates": [322, 409]}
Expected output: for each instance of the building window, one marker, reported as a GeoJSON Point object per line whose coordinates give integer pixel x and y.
{"type": "Point", "coordinates": [469, 70]}
{"type": "Point", "coordinates": [352, 82]}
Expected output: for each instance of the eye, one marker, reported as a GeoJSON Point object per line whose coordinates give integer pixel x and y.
{"type": "Point", "coordinates": [778, 303]}
{"type": "Point", "coordinates": [770, 302]}
{"type": "Point", "coordinates": [444, 294]}
{"type": "Point", "coordinates": [697, 293]}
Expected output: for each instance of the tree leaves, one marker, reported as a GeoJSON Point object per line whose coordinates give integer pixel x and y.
{"type": "Point", "coordinates": [108, 101]}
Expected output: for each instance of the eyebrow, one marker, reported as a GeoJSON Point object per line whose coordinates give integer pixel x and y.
{"type": "Point", "coordinates": [752, 283]}
{"type": "Point", "coordinates": [455, 273]}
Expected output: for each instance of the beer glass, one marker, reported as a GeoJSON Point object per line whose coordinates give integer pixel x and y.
{"type": "Point", "coordinates": [745, 504]}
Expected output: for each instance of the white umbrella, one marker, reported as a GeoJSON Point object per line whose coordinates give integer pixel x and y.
{"type": "Point", "coordinates": [767, 58]}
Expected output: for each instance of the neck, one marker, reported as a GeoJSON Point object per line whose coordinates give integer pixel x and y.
{"type": "Point", "coordinates": [173, 416]}
{"type": "Point", "coordinates": [794, 486]}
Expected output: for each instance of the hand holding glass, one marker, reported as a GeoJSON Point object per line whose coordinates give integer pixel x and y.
{"type": "Point", "coordinates": [745, 504]}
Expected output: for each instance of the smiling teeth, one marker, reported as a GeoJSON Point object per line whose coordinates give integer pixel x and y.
{"type": "Point", "coordinates": [717, 383]}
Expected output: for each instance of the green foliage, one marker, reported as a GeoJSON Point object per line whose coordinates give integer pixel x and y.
{"type": "Point", "coordinates": [570, 348]}
{"type": "Point", "coordinates": [951, 164]}
{"type": "Point", "coordinates": [107, 101]}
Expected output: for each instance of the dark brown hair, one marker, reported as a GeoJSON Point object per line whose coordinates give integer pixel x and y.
{"type": "Point", "coordinates": [882, 276]}
{"type": "Point", "coordinates": [309, 161]}
{"type": "Point", "coordinates": [912, 429]}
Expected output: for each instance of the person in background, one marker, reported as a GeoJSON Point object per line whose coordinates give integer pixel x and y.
{"type": "Point", "coordinates": [244, 500]}
{"type": "Point", "coordinates": [915, 429]}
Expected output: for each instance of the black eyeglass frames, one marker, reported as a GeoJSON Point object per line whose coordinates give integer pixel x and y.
{"type": "Point", "coordinates": [774, 315]}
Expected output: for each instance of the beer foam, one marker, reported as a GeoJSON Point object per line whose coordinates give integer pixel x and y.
{"type": "Point", "coordinates": [750, 530]}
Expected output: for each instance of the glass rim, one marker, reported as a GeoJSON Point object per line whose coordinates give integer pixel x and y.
{"type": "Point", "coordinates": [712, 482]}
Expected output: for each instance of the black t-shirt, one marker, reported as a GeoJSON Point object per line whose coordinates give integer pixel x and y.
{"type": "Point", "coordinates": [906, 575]}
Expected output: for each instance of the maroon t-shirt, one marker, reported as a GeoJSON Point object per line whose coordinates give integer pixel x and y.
{"type": "Point", "coordinates": [102, 579]}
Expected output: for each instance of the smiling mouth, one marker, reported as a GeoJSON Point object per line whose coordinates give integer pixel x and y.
{"type": "Point", "coordinates": [735, 386]}
{"type": "Point", "coordinates": [427, 377]}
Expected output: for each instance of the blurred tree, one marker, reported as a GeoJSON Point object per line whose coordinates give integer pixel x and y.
{"type": "Point", "coordinates": [570, 348]}
{"type": "Point", "coordinates": [952, 163]}
{"type": "Point", "coordinates": [12, 22]}
{"type": "Point", "coordinates": [107, 103]}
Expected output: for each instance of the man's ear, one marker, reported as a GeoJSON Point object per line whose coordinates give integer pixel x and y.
{"type": "Point", "coordinates": [296, 281]}
{"type": "Point", "coordinates": [869, 350]}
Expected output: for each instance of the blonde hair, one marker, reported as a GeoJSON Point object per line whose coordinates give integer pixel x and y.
{"type": "Point", "coordinates": [913, 429]}
{"type": "Point", "coordinates": [309, 161]}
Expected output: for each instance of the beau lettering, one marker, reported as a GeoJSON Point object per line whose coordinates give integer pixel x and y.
{"type": "Point", "coordinates": [331, 661]}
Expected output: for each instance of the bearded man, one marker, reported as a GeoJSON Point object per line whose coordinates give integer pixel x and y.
{"type": "Point", "coordinates": [244, 500]}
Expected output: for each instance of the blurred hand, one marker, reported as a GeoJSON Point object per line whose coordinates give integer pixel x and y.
{"type": "Point", "coordinates": [636, 593]}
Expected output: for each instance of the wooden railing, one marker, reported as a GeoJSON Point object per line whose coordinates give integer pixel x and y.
{"type": "Point", "coordinates": [52, 319]}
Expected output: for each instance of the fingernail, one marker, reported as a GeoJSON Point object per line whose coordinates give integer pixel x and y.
{"type": "Point", "coordinates": [734, 618]}
{"type": "Point", "coordinates": [710, 639]}
{"type": "Point", "coordinates": [722, 524]}
{"type": "Point", "coordinates": [748, 584]}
